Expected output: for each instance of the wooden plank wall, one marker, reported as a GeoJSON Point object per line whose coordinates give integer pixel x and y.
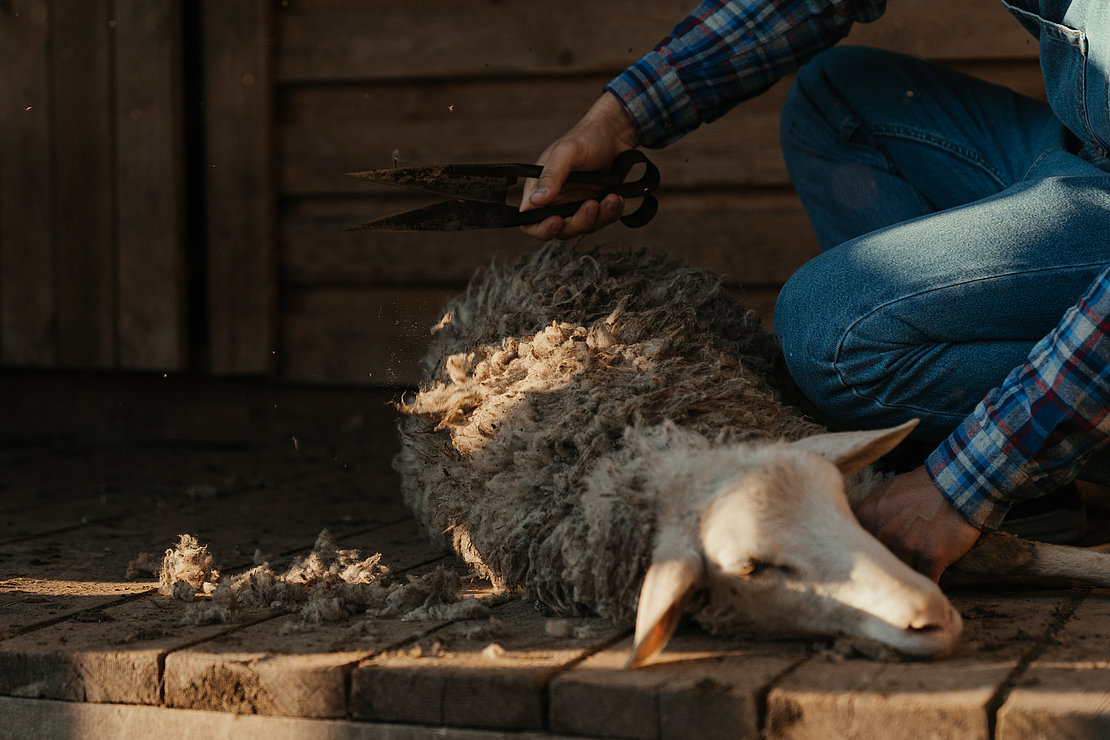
{"type": "Point", "coordinates": [113, 253]}
{"type": "Point", "coordinates": [239, 186]}
{"type": "Point", "coordinates": [364, 84]}
{"type": "Point", "coordinates": [91, 245]}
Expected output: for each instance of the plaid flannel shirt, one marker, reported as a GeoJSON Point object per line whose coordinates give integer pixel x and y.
{"type": "Point", "coordinates": [724, 53]}
{"type": "Point", "coordinates": [1029, 435]}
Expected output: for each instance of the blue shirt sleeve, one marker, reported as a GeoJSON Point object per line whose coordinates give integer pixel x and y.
{"type": "Point", "coordinates": [726, 52]}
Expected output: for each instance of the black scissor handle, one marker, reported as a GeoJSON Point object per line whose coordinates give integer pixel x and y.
{"type": "Point", "coordinates": [612, 180]}
{"type": "Point", "coordinates": [623, 164]}
{"type": "Point", "coordinates": [649, 205]}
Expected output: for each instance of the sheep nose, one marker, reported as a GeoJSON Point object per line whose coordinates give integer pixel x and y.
{"type": "Point", "coordinates": [940, 617]}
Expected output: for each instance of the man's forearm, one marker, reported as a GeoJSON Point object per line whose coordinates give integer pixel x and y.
{"type": "Point", "coordinates": [724, 53]}
{"type": "Point", "coordinates": [1030, 435]}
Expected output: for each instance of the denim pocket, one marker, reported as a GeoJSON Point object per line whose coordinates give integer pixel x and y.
{"type": "Point", "coordinates": [1066, 65]}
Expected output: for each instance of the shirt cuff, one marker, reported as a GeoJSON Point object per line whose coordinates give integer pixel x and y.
{"type": "Point", "coordinates": [975, 463]}
{"type": "Point", "coordinates": [656, 100]}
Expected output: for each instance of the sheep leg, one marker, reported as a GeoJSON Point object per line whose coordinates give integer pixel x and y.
{"type": "Point", "coordinates": [1004, 558]}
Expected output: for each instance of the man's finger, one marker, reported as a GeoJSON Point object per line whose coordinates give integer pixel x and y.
{"type": "Point", "coordinates": [545, 230]}
{"type": "Point", "coordinates": [583, 221]}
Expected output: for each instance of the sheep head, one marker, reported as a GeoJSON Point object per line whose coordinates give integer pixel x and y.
{"type": "Point", "coordinates": [774, 548]}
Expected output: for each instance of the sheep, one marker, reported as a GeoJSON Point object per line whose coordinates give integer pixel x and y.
{"type": "Point", "coordinates": [610, 432]}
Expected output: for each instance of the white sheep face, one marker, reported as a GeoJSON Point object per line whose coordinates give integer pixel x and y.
{"type": "Point", "coordinates": [774, 549]}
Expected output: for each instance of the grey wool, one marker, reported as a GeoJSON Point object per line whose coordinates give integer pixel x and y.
{"type": "Point", "coordinates": [558, 387]}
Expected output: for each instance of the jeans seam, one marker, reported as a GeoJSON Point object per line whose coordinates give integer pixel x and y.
{"type": "Point", "coordinates": [909, 133]}
{"type": "Point", "coordinates": [1043, 156]}
{"type": "Point", "coordinates": [853, 388]}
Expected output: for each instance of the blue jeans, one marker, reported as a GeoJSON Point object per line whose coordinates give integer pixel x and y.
{"type": "Point", "coordinates": [957, 220]}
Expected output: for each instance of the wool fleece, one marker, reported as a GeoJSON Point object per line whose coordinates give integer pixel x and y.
{"type": "Point", "coordinates": [557, 388]}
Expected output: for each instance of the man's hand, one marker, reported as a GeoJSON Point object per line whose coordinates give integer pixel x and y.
{"type": "Point", "coordinates": [603, 133]}
{"type": "Point", "coordinates": [913, 518]}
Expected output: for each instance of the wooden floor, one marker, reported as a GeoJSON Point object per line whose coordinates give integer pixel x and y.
{"type": "Point", "coordinates": [95, 470]}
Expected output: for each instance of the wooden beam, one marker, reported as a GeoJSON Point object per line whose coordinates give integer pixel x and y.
{"type": "Point", "coordinates": [239, 184]}
{"type": "Point", "coordinates": [27, 250]}
{"type": "Point", "coordinates": [83, 182]}
{"type": "Point", "coordinates": [327, 41]}
{"type": "Point", "coordinates": [149, 192]}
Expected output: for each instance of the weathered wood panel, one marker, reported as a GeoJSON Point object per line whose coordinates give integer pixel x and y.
{"type": "Point", "coordinates": [150, 184]}
{"type": "Point", "coordinates": [1065, 691]}
{"type": "Point", "coordinates": [239, 184]}
{"type": "Point", "coordinates": [324, 40]}
{"type": "Point", "coordinates": [948, 698]}
{"type": "Point", "coordinates": [698, 687]}
{"type": "Point", "coordinates": [27, 313]}
{"type": "Point", "coordinates": [489, 677]}
{"type": "Point", "coordinates": [283, 667]}
{"type": "Point", "coordinates": [363, 335]}
{"type": "Point", "coordinates": [91, 249]}
{"type": "Point", "coordinates": [83, 186]}
{"type": "Point", "coordinates": [925, 28]}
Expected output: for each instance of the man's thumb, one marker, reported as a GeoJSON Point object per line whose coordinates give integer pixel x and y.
{"type": "Point", "coordinates": [547, 187]}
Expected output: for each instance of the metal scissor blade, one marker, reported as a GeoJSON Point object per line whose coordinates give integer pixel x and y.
{"type": "Point", "coordinates": [489, 183]}
{"type": "Point", "coordinates": [463, 215]}
{"type": "Point", "coordinates": [450, 215]}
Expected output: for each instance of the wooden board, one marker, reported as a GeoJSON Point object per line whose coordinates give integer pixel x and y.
{"type": "Point", "coordinates": [331, 130]}
{"type": "Point", "coordinates": [235, 501]}
{"type": "Point", "coordinates": [58, 719]}
{"type": "Point", "coordinates": [83, 186]}
{"type": "Point", "coordinates": [91, 244]}
{"type": "Point", "coordinates": [27, 255]}
{"type": "Point", "coordinates": [1065, 691]}
{"type": "Point", "coordinates": [698, 687]}
{"type": "Point", "coordinates": [465, 677]}
{"type": "Point", "coordinates": [150, 185]}
{"type": "Point", "coordinates": [924, 28]}
{"type": "Point", "coordinates": [360, 335]}
{"type": "Point", "coordinates": [115, 649]}
{"type": "Point", "coordinates": [110, 655]}
{"type": "Point", "coordinates": [322, 40]}
{"type": "Point", "coordinates": [283, 666]}
{"type": "Point", "coordinates": [239, 185]}
{"type": "Point", "coordinates": [951, 697]}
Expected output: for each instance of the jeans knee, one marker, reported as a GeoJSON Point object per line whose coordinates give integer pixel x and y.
{"type": "Point", "coordinates": [799, 316]}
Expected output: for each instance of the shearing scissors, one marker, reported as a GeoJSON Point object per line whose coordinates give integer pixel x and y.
{"type": "Point", "coordinates": [479, 192]}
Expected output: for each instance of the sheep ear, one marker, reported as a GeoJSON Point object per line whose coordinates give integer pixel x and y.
{"type": "Point", "coordinates": [667, 587]}
{"type": "Point", "coordinates": [850, 451]}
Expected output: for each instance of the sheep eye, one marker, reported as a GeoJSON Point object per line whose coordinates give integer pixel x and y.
{"type": "Point", "coordinates": [755, 567]}
{"type": "Point", "coordinates": [751, 568]}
